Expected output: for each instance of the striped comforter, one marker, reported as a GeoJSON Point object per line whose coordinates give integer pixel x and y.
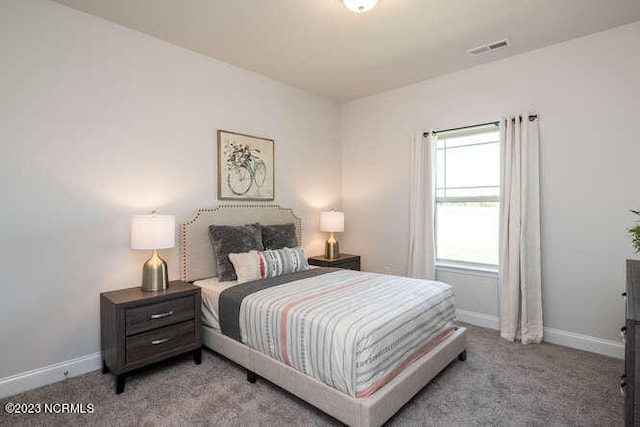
{"type": "Point", "coordinates": [351, 330]}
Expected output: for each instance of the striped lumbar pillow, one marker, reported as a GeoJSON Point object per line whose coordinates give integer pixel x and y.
{"type": "Point", "coordinates": [282, 261]}
{"type": "Point", "coordinates": [256, 265]}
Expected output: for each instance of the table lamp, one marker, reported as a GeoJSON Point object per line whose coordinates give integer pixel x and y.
{"type": "Point", "coordinates": [332, 222]}
{"type": "Point", "coordinates": [153, 232]}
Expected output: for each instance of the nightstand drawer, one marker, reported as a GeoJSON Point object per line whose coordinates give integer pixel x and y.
{"type": "Point", "coordinates": [347, 261]}
{"type": "Point", "coordinates": [350, 264]}
{"type": "Point", "coordinates": [160, 341]}
{"type": "Point", "coordinates": [147, 317]}
{"type": "Point", "coordinates": [139, 328]}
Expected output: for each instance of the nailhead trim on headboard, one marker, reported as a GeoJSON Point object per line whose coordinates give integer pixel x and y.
{"type": "Point", "coordinates": [185, 244]}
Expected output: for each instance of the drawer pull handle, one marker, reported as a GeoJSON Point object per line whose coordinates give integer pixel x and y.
{"type": "Point", "coordinates": [623, 334]}
{"type": "Point", "coordinates": [162, 315]}
{"type": "Point", "coordinates": [624, 295]}
{"type": "Point", "coordinates": [162, 341]}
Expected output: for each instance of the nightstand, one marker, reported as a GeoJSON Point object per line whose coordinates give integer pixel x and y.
{"type": "Point", "coordinates": [350, 262]}
{"type": "Point", "coordinates": [138, 328]}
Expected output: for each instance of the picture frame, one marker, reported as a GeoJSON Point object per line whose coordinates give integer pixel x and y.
{"type": "Point", "coordinates": [245, 167]}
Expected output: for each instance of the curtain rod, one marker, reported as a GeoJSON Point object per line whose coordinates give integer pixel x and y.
{"type": "Point", "coordinates": [532, 117]}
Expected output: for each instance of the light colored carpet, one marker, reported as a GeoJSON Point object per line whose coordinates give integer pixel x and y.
{"type": "Point", "coordinates": [501, 383]}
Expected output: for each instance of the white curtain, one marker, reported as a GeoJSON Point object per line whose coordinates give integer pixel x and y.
{"type": "Point", "coordinates": [519, 279]}
{"type": "Point", "coordinates": [421, 213]}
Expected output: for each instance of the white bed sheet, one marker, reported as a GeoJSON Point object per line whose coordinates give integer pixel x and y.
{"type": "Point", "coordinates": [211, 290]}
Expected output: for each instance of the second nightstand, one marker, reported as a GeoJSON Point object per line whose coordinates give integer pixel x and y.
{"type": "Point", "coordinates": [139, 328]}
{"type": "Point", "coordinates": [350, 262]}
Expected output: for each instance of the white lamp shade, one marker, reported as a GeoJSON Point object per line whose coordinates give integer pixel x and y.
{"type": "Point", "coordinates": [360, 6]}
{"type": "Point", "coordinates": [332, 221]}
{"type": "Point", "coordinates": [153, 231]}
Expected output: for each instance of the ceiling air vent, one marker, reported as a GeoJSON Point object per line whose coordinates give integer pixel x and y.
{"type": "Point", "coordinates": [489, 47]}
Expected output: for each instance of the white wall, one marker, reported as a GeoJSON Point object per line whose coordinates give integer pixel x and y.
{"type": "Point", "coordinates": [99, 122]}
{"type": "Point", "coordinates": [587, 95]}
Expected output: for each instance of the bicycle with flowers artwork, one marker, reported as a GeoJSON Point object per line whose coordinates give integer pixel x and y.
{"type": "Point", "coordinates": [245, 167]}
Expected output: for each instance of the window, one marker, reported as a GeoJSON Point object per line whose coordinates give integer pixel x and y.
{"type": "Point", "coordinates": [468, 196]}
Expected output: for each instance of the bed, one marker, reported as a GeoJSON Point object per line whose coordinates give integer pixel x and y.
{"type": "Point", "coordinates": [349, 399]}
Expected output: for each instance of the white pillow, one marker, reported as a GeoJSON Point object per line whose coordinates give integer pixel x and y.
{"type": "Point", "coordinates": [247, 266]}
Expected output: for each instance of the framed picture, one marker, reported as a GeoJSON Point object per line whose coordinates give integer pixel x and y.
{"type": "Point", "coordinates": [245, 167]}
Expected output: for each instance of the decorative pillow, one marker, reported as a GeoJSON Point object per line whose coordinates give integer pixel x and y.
{"type": "Point", "coordinates": [247, 266]}
{"type": "Point", "coordinates": [228, 239]}
{"type": "Point", "coordinates": [279, 236]}
{"type": "Point", "coordinates": [256, 265]}
{"type": "Point", "coordinates": [282, 261]}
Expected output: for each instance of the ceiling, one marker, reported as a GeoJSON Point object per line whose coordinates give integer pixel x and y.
{"type": "Point", "coordinates": [320, 46]}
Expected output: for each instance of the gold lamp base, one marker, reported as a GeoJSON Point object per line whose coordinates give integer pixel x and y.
{"type": "Point", "coordinates": [331, 248]}
{"type": "Point", "coordinates": [154, 274]}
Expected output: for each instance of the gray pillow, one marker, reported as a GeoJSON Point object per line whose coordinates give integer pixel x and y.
{"type": "Point", "coordinates": [227, 239]}
{"type": "Point", "coordinates": [279, 236]}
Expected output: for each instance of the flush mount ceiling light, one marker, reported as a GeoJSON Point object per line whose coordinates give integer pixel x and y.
{"type": "Point", "coordinates": [360, 6]}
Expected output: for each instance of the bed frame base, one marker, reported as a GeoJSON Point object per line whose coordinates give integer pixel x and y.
{"type": "Point", "coordinates": [369, 411]}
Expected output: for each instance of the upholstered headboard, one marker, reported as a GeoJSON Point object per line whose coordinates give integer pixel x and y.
{"type": "Point", "coordinates": [196, 252]}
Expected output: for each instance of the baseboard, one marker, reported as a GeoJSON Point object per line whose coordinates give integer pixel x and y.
{"type": "Point", "coordinates": [478, 319]}
{"type": "Point", "coordinates": [49, 374]}
{"type": "Point", "coordinates": [552, 335]}
{"type": "Point", "coordinates": [584, 342]}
